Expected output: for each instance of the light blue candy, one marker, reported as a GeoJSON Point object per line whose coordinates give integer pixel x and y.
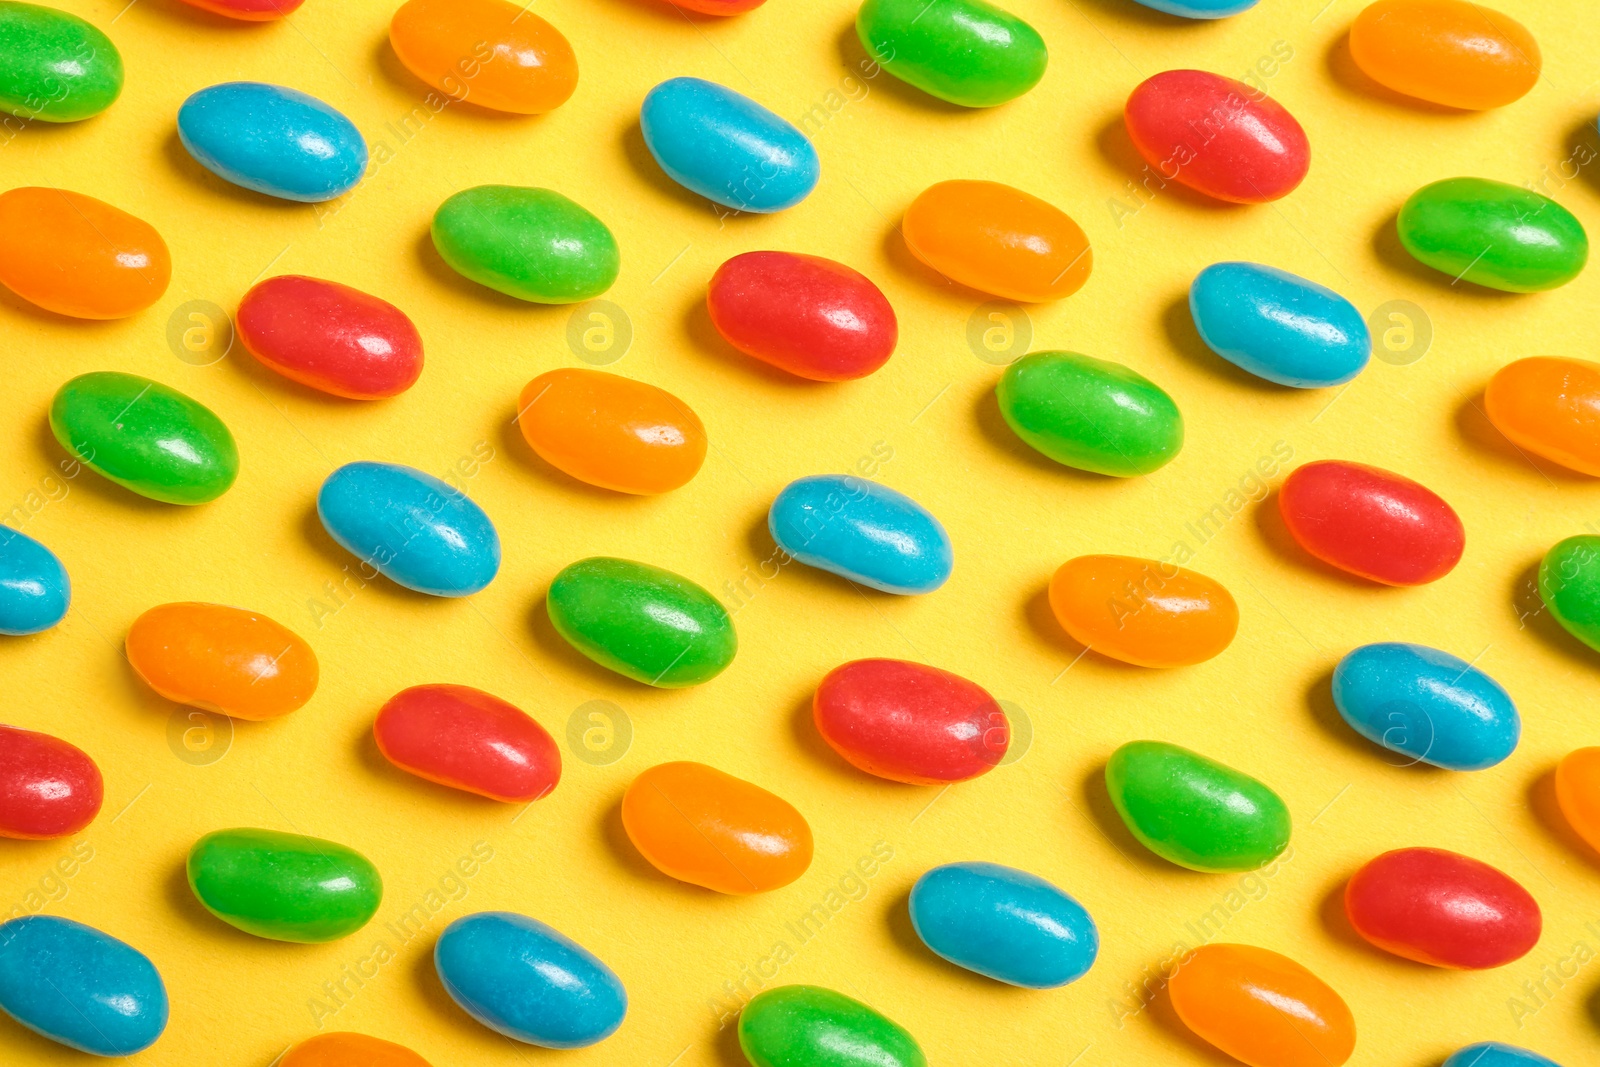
{"type": "Point", "coordinates": [413, 528]}
{"type": "Point", "coordinates": [726, 147]}
{"type": "Point", "coordinates": [1279, 326]}
{"type": "Point", "coordinates": [863, 531]}
{"type": "Point", "coordinates": [1201, 9]}
{"type": "Point", "coordinates": [529, 982]}
{"type": "Point", "coordinates": [81, 987]}
{"type": "Point", "coordinates": [1426, 704]}
{"type": "Point", "coordinates": [34, 588]}
{"type": "Point", "coordinates": [274, 140]}
{"type": "Point", "coordinates": [1004, 923]}
{"type": "Point", "coordinates": [1496, 1054]}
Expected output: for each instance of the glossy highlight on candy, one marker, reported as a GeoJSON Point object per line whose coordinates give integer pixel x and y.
{"type": "Point", "coordinates": [273, 140]}
{"type": "Point", "coordinates": [1493, 234]}
{"type": "Point", "coordinates": [285, 887]}
{"type": "Point", "coordinates": [1262, 1008]}
{"type": "Point", "coordinates": [492, 53]}
{"type": "Point", "coordinates": [968, 52]}
{"type": "Point", "coordinates": [863, 531]}
{"type": "Point", "coordinates": [330, 337]}
{"type": "Point", "coordinates": [48, 787]}
{"type": "Point", "coordinates": [222, 659]}
{"type": "Point", "coordinates": [467, 739]}
{"type": "Point", "coordinates": [54, 66]}
{"type": "Point", "coordinates": [809, 1026]}
{"type": "Point", "coordinates": [35, 591]}
{"type": "Point", "coordinates": [1577, 780]}
{"type": "Point", "coordinates": [1446, 52]}
{"type": "Point", "coordinates": [1279, 326]}
{"type": "Point", "coordinates": [1371, 522]}
{"type": "Point", "coordinates": [1550, 406]}
{"type": "Point", "coordinates": [1143, 611]}
{"type": "Point", "coordinates": [533, 244]}
{"type": "Point", "coordinates": [1090, 413]}
{"type": "Point", "coordinates": [80, 986]}
{"type": "Point", "coordinates": [1569, 585]}
{"type": "Point", "coordinates": [78, 256]}
{"type": "Point", "coordinates": [998, 240]}
{"type": "Point", "coordinates": [343, 1049]}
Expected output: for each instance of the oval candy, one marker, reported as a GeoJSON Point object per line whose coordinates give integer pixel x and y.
{"type": "Point", "coordinates": [249, 11]}
{"type": "Point", "coordinates": [809, 1026]}
{"type": "Point", "coordinates": [1446, 52]}
{"type": "Point", "coordinates": [1143, 611]}
{"type": "Point", "coordinates": [1493, 234]}
{"type": "Point", "coordinates": [1279, 326]}
{"type": "Point", "coordinates": [79, 986]}
{"type": "Point", "coordinates": [1496, 1054]}
{"type": "Point", "coordinates": [1201, 9]}
{"type": "Point", "coordinates": [35, 591]}
{"type": "Point", "coordinates": [998, 240]}
{"type": "Point", "coordinates": [968, 52]}
{"type": "Point", "coordinates": [273, 140]}
{"type": "Point", "coordinates": [1578, 792]}
{"type": "Point", "coordinates": [349, 1050]}
{"type": "Point", "coordinates": [48, 787]}
{"type": "Point", "coordinates": [78, 256]}
{"type": "Point", "coordinates": [1371, 522]}
{"type": "Point", "coordinates": [863, 531]}
{"type": "Point", "coordinates": [1262, 1008]}
{"type": "Point", "coordinates": [54, 66]}
{"type": "Point", "coordinates": [492, 53]}
{"type": "Point", "coordinates": [1549, 406]}
{"type": "Point", "coordinates": [1569, 585]}
{"type": "Point", "coordinates": [222, 659]}
{"type": "Point", "coordinates": [1089, 413]}
{"type": "Point", "coordinates": [464, 738]}
{"type": "Point", "coordinates": [330, 337]}
{"type": "Point", "coordinates": [533, 244]}
{"type": "Point", "coordinates": [284, 886]}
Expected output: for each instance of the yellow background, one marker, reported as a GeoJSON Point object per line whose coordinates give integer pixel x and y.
{"type": "Point", "coordinates": [1262, 706]}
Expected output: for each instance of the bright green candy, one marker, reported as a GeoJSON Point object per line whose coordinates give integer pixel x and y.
{"type": "Point", "coordinates": [647, 623]}
{"type": "Point", "coordinates": [532, 244]}
{"type": "Point", "coordinates": [1090, 413]}
{"type": "Point", "coordinates": [1498, 235]}
{"type": "Point", "coordinates": [284, 886]}
{"type": "Point", "coordinates": [145, 436]}
{"type": "Point", "coordinates": [1569, 582]}
{"type": "Point", "coordinates": [1195, 811]}
{"type": "Point", "coordinates": [808, 1026]}
{"type": "Point", "coordinates": [54, 66]}
{"type": "Point", "coordinates": [965, 51]}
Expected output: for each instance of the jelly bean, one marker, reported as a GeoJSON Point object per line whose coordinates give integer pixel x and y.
{"type": "Point", "coordinates": [284, 886]}
{"type": "Point", "coordinates": [909, 722]}
{"type": "Point", "coordinates": [1194, 811]}
{"type": "Point", "coordinates": [249, 11]}
{"type": "Point", "coordinates": [1010, 925]}
{"type": "Point", "coordinates": [726, 147]}
{"type": "Point", "coordinates": [35, 591]}
{"type": "Point", "coordinates": [1201, 9]}
{"type": "Point", "coordinates": [468, 739]}
{"type": "Point", "coordinates": [533, 244]}
{"type": "Point", "coordinates": [349, 1050]}
{"type": "Point", "coordinates": [78, 256]}
{"type": "Point", "coordinates": [1142, 611]}
{"type": "Point", "coordinates": [1426, 704]}
{"type": "Point", "coordinates": [1494, 234]}
{"type": "Point", "coordinates": [80, 986]}
{"type": "Point", "coordinates": [1371, 522]}
{"type": "Point", "coordinates": [804, 314]}
{"type": "Point", "coordinates": [1569, 585]}
{"type": "Point", "coordinates": [718, 7]}
{"type": "Point", "coordinates": [222, 659]}
{"type": "Point", "coordinates": [1447, 52]}
{"type": "Point", "coordinates": [699, 825]}
{"type": "Point", "coordinates": [492, 53]}
{"type": "Point", "coordinates": [1442, 908]}
{"type": "Point", "coordinates": [411, 527]}
{"type": "Point", "coordinates": [145, 436]}
{"type": "Point", "coordinates": [863, 531]}
{"type": "Point", "coordinates": [274, 140]}
{"type": "Point", "coordinates": [643, 622]}
{"type": "Point", "coordinates": [330, 337]}
{"type": "Point", "coordinates": [1218, 136]}
{"type": "Point", "coordinates": [1089, 413]}
{"type": "Point", "coordinates": [1549, 406]}
{"type": "Point", "coordinates": [1496, 1054]}
{"type": "Point", "coordinates": [48, 788]}
{"type": "Point", "coordinates": [1578, 792]}
{"type": "Point", "coordinates": [968, 52]}
{"type": "Point", "coordinates": [611, 431]}
{"type": "Point", "coordinates": [528, 981]}
{"type": "Point", "coordinates": [1279, 326]}
{"type": "Point", "coordinates": [809, 1026]}
{"type": "Point", "coordinates": [998, 240]}
{"type": "Point", "coordinates": [54, 66]}
{"type": "Point", "coordinates": [1262, 1008]}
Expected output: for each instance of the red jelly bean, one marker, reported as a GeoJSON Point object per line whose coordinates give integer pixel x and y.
{"type": "Point", "coordinates": [467, 739]}
{"type": "Point", "coordinates": [1217, 136]}
{"type": "Point", "coordinates": [1371, 522]}
{"type": "Point", "coordinates": [718, 7]}
{"type": "Point", "coordinates": [910, 723]}
{"type": "Point", "coordinates": [1442, 908]}
{"type": "Point", "coordinates": [48, 788]}
{"type": "Point", "coordinates": [330, 337]}
{"type": "Point", "coordinates": [807, 315]}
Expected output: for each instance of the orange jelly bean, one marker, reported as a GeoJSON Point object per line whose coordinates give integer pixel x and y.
{"type": "Point", "coordinates": [1143, 611]}
{"type": "Point", "coordinates": [1447, 52]}
{"type": "Point", "coordinates": [349, 1050]}
{"type": "Point", "coordinates": [998, 239]}
{"type": "Point", "coordinates": [1262, 1008]}
{"type": "Point", "coordinates": [1578, 792]}
{"type": "Point", "coordinates": [612, 431]}
{"type": "Point", "coordinates": [1550, 406]}
{"type": "Point", "coordinates": [700, 825]}
{"type": "Point", "coordinates": [78, 256]}
{"type": "Point", "coordinates": [492, 53]}
{"type": "Point", "coordinates": [222, 659]}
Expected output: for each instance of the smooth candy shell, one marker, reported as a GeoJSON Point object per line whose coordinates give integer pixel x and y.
{"type": "Point", "coordinates": [79, 986]}
{"type": "Point", "coordinates": [1142, 611]}
{"type": "Point", "coordinates": [222, 659]}
{"type": "Point", "coordinates": [1578, 792]}
{"type": "Point", "coordinates": [1279, 326]}
{"type": "Point", "coordinates": [249, 11]}
{"type": "Point", "coordinates": [533, 244]}
{"type": "Point", "coordinates": [1010, 925]}
{"type": "Point", "coordinates": [1089, 413]}
{"type": "Point", "coordinates": [968, 52]}
{"type": "Point", "coordinates": [35, 591]}
{"type": "Point", "coordinates": [330, 337]}
{"type": "Point", "coordinates": [284, 886]}
{"type": "Point", "coordinates": [1496, 1054]}
{"type": "Point", "coordinates": [1262, 1008]}
{"type": "Point", "coordinates": [1493, 234]}
{"type": "Point", "coordinates": [492, 53]}
{"type": "Point", "coordinates": [468, 739]}
{"type": "Point", "coordinates": [274, 140]}
{"type": "Point", "coordinates": [1569, 585]}
{"type": "Point", "coordinates": [808, 1026]}
{"type": "Point", "coordinates": [718, 7]}
{"type": "Point", "coordinates": [1446, 52]}
{"type": "Point", "coordinates": [349, 1050]}
{"type": "Point", "coordinates": [54, 66]}
{"type": "Point", "coordinates": [863, 531]}
{"type": "Point", "coordinates": [78, 256]}
{"type": "Point", "coordinates": [1549, 406]}
{"type": "Point", "coordinates": [48, 788]}
{"type": "Point", "coordinates": [1371, 522]}
{"type": "Point", "coordinates": [1201, 9]}
{"type": "Point", "coordinates": [998, 240]}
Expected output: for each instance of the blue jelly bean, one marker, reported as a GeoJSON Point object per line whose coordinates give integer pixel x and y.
{"type": "Point", "coordinates": [34, 588]}
{"type": "Point", "coordinates": [863, 531]}
{"type": "Point", "coordinates": [529, 982]}
{"type": "Point", "coordinates": [1497, 1054]}
{"type": "Point", "coordinates": [1426, 704]}
{"type": "Point", "coordinates": [726, 147]}
{"type": "Point", "coordinates": [1279, 326]}
{"type": "Point", "coordinates": [1004, 923]}
{"type": "Point", "coordinates": [410, 526]}
{"type": "Point", "coordinates": [1201, 9]}
{"type": "Point", "coordinates": [79, 986]}
{"type": "Point", "coordinates": [274, 140]}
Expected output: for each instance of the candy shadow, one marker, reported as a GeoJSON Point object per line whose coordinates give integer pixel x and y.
{"type": "Point", "coordinates": [1097, 798]}
{"type": "Point", "coordinates": [95, 485]}
{"type": "Point", "coordinates": [704, 337]}
{"type": "Point", "coordinates": [1166, 1018]}
{"type": "Point", "coordinates": [441, 273]}
{"type": "Point", "coordinates": [181, 900]}
{"type": "Point", "coordinates": [620, 845]}
{"type": "Point", "coordinates": [1586, 135]}
{"type": "Point", "coordinates": [1041, 619]}
{"type": "Point", "coordinates": [725, 1046]}
{"type": "Point", "coordinates": [189, 169]}
{"type": "Point", "coordinates": [1386, 245]}
{"type": "Point", "coordinates": [1336, 921]}
{"type": "Point", "coordinates": [853, 54]}
{"type": "Point", "coordinates": [759, 539]}
{"type": "Point", "coordinates": [897, 918]}
{"type": "Point", "coordinates": [513, 444]}
{"type": "Point", "coordinates": [442, 1006]}
{"type": "Point", "coordinates": [1183, 335]}
{"type": "Point", "coordinates": [1270, 525]}
{"type": "Point", "coordinates": [993, 426]}
{"type": "Point", "coordinates": [803, 726]}
{"type": "Point", "coordinates": [1472, 423]}
{"type": "Point", "coordinates": [552, 644]}
{"type": "Point", "coordinates": [903, 260]}
{"type": "Point", "coordinates": [1546, 810]}
{"type": "Point", "coordinates": [1117, 148]}
{"type": "Point", "coordinates": [645, 166]}
{"type": "Point", "coordinates": [1347, 75]}
{"type": "Point", "coordinates": [1325, 713]}
{"type": "Point", "coordinates": [1534, 617]}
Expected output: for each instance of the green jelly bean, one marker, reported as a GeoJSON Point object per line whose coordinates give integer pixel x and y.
{"type": "Point", "coordinates": [284, 886]}
{"type": "Point", "coordinates": [1498, 235]}
{"type": "Point", "coordinates": [647, 623]}
{"type": "Point", "coordinates": [1194, 811]}
{"type": "Point", "coordinates": [145, 436]}
{"type": "Point", "coordinates": [533, 244]}
{"type": "Point", "coordinates": [808, 1026]}
{"type": "Point", "coordinates": [965, 51]}
{"type": "Point", "coordinates": [1569, 583]}
{"type": "Point", "coordinates": [54, 66]}
{"type": "Point", "coordinates": [1090, 413]}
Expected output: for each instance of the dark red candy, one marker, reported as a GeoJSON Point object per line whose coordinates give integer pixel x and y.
{"type": "Point", "coordinates": [804, 314]}
{"type": "Point", "coordinates": [1442, 908]}
{"type": "Point", "coordinates": [48, 788]}
{"type": "Point", "coordinates": [1218, 136]}
{"type": "Point", "coordinates": [909, 722]}
{"type": "Point", "coordinates": [467, 739]}
{"type": "Point", "coordinates": [1371, 522]}
{"type": "Point", "coordinates": [330, 337]}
